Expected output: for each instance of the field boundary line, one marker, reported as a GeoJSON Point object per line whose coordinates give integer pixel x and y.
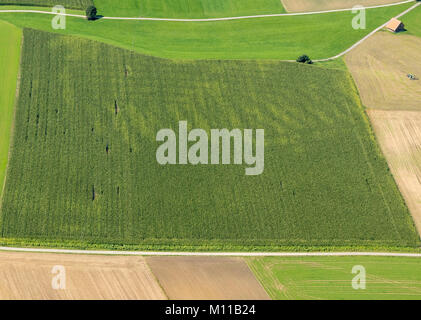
{"type": "Point", "coordinates": [213, 254]}
{"type": "Point", "coordinates": [207, 19]}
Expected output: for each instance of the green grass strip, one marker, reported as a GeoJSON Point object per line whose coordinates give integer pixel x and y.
{"type": "Point", "coordinates": [10, 48]}
{"type": "Point", "coordinates": [330, 278]}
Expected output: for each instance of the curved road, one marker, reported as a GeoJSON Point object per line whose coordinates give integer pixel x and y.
{"type": "Point", "coordinates": [247, 17]}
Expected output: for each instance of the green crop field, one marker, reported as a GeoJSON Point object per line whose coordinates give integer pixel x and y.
{"type": "Point", "coordinates": [331, 277]}
{"type": "Point", "coordinates": [73, 4]}
{"type": "Point", "coordinates": [319, 36]}
{"type": "Point", "coordinates": [10, 46]}
{"type": "Point", "coordinates": [79, 170]}
{"type": "Point", "coordinates": [413, 22]}
{"type": "Point", "coordinates": [188, 8]}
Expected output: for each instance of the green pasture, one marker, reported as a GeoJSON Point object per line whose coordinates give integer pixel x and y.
{"type": "Point", "coordinates": [10, 47]}
{"type": "Point", "coordinates": [188, 8]}
{"type": "Point", "coordinates": [412, 22]}
{"type": "Point", "coordinates": [320, 36]}
{"type": "Point", "coordinates": [72, 4]}
{"type": "Point", "coordinates": [330, 278]}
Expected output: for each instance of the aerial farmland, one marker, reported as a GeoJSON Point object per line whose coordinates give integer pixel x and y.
{"type": "Point", "coordinates": [201, 129]}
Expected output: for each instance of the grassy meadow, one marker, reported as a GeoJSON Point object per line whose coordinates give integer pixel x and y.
{"type": "Point", "coordinates": [188, 8]}
{"type": "Point", "coordinates": [284, 38]}
{"type": "Point", "coordinates": [82, 171]}
{"type": "Point", "coordinates": [413, 22]}
{"type": "Point", "coordinates": [72, 4]}
{"type": "Point", "coordinates": [330, 278]}
{"type": "Point", "coordinates": [10, 47]}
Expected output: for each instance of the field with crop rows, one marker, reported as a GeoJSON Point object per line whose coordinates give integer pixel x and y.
{"type": "Point", "coordinates": [84, 167]}
{"type": "Point", "coordinates": [71, 4]}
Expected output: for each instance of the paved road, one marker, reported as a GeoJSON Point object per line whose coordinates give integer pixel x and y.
{"type": "Point", "coordinates": [216, 254]}
{"type": "Point", "coordinates": [208, 19]}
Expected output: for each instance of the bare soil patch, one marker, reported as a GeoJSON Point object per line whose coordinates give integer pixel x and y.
{"type": "Point", "coordinates": [214, 278]}
{"type": "Point", "coordinates": [29, 276]}
{"type": "Point", "coordinates": [380, 67]}
{"type": "Point", "coordinates": [399, 134]}
{"type": "Point", "coordinates": [320, 5]}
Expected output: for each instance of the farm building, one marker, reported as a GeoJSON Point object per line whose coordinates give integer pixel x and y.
{"type": "Point", "coordinates": [395, 25]}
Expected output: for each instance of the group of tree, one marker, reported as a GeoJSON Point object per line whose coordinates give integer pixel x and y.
{"type": "Point", "coordinates": [91, 13]}
{"type": "Point", "coordinates": [304, 59]}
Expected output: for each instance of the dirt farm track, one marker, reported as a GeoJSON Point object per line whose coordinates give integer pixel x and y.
{"type": "Point", "coordinates": [27, 276]}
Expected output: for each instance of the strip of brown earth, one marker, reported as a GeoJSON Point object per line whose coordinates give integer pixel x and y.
{"type": "Point", "coordinates": [399, 135]}
{"type": "Point", "coordinates": [213, 278]}
{"type": "Point", "coordinates": [380, 67]}
{"type": "Point", "coordinates": [29, 276]}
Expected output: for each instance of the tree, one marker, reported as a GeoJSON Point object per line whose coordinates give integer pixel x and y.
{"type": "Point", "coordinates": [91, 13]}
{"type": "Point", "coordinates": [304, 59]}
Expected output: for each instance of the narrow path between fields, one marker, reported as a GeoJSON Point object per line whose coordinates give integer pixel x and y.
{"type": "Point", "coordinates": [207, 19]}
{"type": "Point", "coordinates": [215, 254]}
{"type": "Point", "coordinates": [249, 17]}
{"type": "Point", "coordinates": [368, 36]}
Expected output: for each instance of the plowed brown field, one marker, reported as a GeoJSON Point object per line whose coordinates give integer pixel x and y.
{"type": "Point", "coordinates": [399, 134]}
{"type": "Point", "coordinates": [214, 278]}
{"type": "Point", "coordinates": [29, 276]}
{"type": "Point", "coordinates": [380, 67]}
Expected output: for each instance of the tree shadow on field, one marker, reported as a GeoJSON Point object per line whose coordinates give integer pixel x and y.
{"type": "Point", "coordinates": [98, 17]}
